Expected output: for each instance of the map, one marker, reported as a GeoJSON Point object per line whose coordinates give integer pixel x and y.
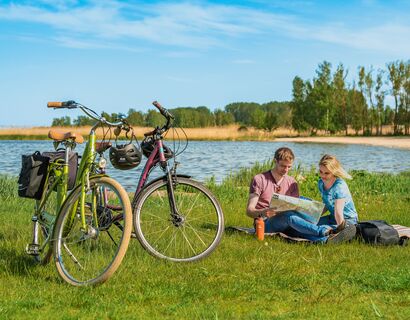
{"type": "Point", "coordinates": [312, 208]}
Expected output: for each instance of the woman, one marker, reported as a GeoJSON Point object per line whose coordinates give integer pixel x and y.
{"type": "Point", "coordinates": [336, 195]}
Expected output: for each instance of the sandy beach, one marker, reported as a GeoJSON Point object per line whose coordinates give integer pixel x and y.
{"type": "Point", "coordinates": [390, 142]}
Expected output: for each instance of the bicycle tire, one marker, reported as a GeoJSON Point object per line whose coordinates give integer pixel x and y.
{"type": "Point", "coordinates": [90, 257]}
{"type": "Point", "coordinates": [194, 237]}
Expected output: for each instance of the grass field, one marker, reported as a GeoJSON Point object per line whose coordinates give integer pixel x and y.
{"type": "Point", "coordinates": [242, 279]}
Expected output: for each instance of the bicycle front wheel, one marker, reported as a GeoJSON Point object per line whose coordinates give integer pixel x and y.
{"type": "Point", "coordinates": [189, 234]}
{"type": "Point", "coordinates": [89, 253]}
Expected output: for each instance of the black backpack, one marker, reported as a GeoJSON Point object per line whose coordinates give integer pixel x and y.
{"type": "Point", "coordinates": [378, 232]}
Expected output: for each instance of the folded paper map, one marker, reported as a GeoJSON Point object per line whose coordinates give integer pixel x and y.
{"type": "Point", "coordinates": [311, 208]}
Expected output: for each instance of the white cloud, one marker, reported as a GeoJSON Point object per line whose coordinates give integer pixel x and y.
{"type": "Point", "coordinates": [195, 25]}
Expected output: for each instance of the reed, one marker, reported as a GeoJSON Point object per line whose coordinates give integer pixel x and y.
{"type": "Point", "coordinates": [231, 132]}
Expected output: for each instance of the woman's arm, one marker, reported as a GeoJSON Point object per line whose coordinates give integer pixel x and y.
{"type": "Point", "coordinates": [339, 206]}
{"type": "Point", "coordinates": [251, 210]}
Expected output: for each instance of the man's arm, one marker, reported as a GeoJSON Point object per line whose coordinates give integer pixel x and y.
{"type": "Point", "coordinates": [251, 210]}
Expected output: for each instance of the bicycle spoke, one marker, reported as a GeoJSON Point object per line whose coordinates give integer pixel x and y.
{"type": "Point", "coordinates": [109, 234]}
{"type": "Point", "coordinates": [71, 255]}
{"type": "Point", "coordinates": [172, 240]}
{"type": "Point", "coordinates": [187, 241]}
{"type": "Point", "coordinates": [193, 204]}
{"type": "Point", "coordinates": [198, 231]}
{"type": "Point", "coordinates": [163, 231]}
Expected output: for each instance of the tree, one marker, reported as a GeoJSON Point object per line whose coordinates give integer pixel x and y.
{"type": "Point", "coordinates": [406, 97]}
{"type": "Point", "coordinates": [223, 118]}
{"type": "Point", "coordinates": [154, 119]}
{"type": "Point", "coordinates": [369, 90]}
{"type": "Point", "coordinates": [298, 105]}
{"type": "Point", "coordinates": [242, 112]}
{"type": "Point", "coordinates": [135, 118]}
{"type": "Point", "coordinates": [361, 84]}
{"type": "Point", "coordinates": [356, 106]}
{"type": "Point", "coordinates": [83, 121]}
{"type": "Point", "coordinates": [340, 115]}
{"type": "Point", "coordinates": [61, 122]}
{"type": "Point", "coordinates": [379, 95]}
{"type": "Point", "coordinates": [396, 76]}
{"type": "Point", "coordinates": [278, 114]}
{"type": "Point", "coordinates": [321, 98]}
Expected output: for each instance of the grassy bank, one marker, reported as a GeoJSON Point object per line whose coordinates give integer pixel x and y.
{"type": "Point", "coordinates": [242, 279]}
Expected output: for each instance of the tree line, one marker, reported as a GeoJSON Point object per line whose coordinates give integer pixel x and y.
{"type": "Point", "coordinates": [328, 103]}
{"type": "Point", "coordinates": [268, 116]}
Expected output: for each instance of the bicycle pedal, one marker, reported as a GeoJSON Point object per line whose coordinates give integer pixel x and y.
{"type": "Point", "coordinates": [133, 235]}
{"type": "Point", "coordinates": [32, 249]}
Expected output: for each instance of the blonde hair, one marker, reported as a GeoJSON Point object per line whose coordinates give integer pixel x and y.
{"type": "Point", "coordinates": [334, 166]}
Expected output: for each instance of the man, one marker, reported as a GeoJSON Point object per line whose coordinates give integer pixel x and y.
{"type": "Point", "coordinates": [277, 180]}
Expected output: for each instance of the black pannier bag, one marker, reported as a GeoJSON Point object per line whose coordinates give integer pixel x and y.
{"type": "Point", "coordinates": [33, 172]}
{"type": "Point", "coordinates": [72, 164]}
{"type": "Point", "coordinates": [377, 232]}
{"type": "Point", "coordinates": [32, 175]}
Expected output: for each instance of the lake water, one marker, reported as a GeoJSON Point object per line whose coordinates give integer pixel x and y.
{"type": "Point", "coordinates": [203, 159]}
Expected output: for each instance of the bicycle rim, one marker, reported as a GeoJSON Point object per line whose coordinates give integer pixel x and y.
{"type": "Point", "coordinates": [192, 235]}
{"type": "Point", "coordinates": [91, 255]}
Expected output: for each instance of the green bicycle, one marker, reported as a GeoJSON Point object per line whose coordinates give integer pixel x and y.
{"type": "Point", "coordinates": [88, 228]}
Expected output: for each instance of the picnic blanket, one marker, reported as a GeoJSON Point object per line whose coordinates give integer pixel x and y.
{"type": "Point", "coordinates": [404, 232]}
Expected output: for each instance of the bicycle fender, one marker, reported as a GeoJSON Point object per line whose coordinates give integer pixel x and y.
{"type": "Point", "coordinates": [164, 178]}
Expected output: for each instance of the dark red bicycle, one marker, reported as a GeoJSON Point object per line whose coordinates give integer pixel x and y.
{"type": "Point", "coordinates": [175, 217]}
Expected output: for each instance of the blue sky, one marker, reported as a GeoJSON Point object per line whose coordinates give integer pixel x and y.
{"type": "Point", "coordinates": [115, 55]}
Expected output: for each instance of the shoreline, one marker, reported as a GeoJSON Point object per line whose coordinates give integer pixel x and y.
{"type": "Point", "coordinates": [227, 133]}
{"type": "Point", "coordinates": [381, 141]}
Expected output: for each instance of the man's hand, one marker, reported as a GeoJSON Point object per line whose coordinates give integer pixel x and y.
{"type": "Point", "coordinates": [270, 213]}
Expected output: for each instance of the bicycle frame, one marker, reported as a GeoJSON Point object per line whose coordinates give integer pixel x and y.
{"type": "Point", "coordinates": [157, 156]}
{"type": "Point", "coordinates": [151, 163]}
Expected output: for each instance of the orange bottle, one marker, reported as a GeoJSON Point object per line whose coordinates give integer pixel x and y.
{"type": "Point", "coordinates": [260, 228]}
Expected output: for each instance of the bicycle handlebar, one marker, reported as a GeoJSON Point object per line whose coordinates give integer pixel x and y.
{"type": "Point", "coordinates": [166, 114]}
{"type": "Point", "coordinates": [163, 111]}
{"type": "Point", "coordinates": [70, 104]}
{"type": "Point", "coordinates": [61, 104]}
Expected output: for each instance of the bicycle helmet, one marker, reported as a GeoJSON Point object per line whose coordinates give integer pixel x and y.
{"type": "Point", "coordinates": [147, 146]}
{"type": "Point", "coordinates": [125, 156]}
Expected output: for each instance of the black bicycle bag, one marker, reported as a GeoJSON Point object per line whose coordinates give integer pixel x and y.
{"type": "Point", "coordinates": [377, 232]}
{"type": "Point", "coordinates": [33, 175]}
{"type": "Point", "coordinates": [72, 164]}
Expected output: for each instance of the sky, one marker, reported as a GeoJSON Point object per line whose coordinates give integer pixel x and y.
{"type": "Point", "coordinates": [115, 55]}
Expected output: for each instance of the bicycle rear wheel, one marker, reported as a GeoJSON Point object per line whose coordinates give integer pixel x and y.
{"type": "Point", "coordinates": [191, 234]}
{"type": "Point", "coordinates": [91, 255]}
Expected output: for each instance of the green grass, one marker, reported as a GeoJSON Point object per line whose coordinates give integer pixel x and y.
{"type": "Point", "coordinates": [242, 279]}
